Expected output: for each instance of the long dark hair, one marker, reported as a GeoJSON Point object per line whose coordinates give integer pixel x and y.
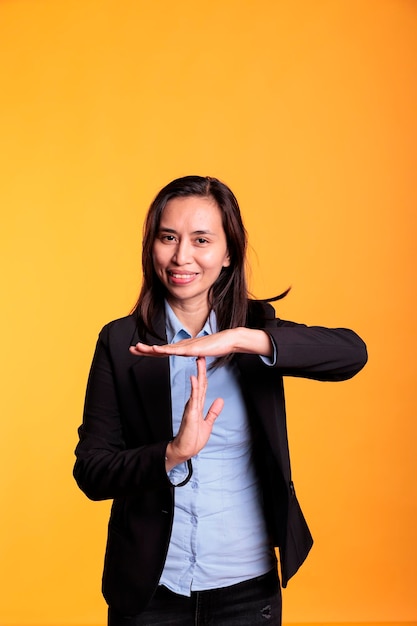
{"type": "Point", "coordinates": [228, 296]}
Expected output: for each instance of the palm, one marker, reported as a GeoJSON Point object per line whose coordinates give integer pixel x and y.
{"type": "Point", "coordinates": [195, 428]}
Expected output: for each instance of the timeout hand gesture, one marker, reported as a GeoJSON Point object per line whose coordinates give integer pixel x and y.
{"type": "Point", "coordinates": [195, 429]}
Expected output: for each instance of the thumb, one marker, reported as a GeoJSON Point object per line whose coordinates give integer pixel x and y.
{"type": "Point", "coordinates": [214, 411]}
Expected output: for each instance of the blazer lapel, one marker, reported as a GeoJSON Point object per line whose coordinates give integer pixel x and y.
{"type": "Point", "coordinates": [152, 379]}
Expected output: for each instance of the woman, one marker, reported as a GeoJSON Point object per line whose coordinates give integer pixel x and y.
{"type": "Point", "coordinates": [184, 425]}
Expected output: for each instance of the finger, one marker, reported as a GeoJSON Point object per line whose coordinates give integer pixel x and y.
{"type": "Point", "coordinates": [214, 411]}
{"type": "Point", "coordinates": [201, 367]}
{"type": "Point", "coordinates": [194, 395]}
{"type": "Point", "coordinates": [168, 348]}
{"type": "Point", "coordinates": [142, 349]}
{"type": "Point", "coordinates": [198, 389]}
{"type": "Point", "coordinates": [198, 393]}
{"type": "Point", "coordinates": [202, 379]}
{"type": "Point", "coordinates": [174, 349]}
{"type": "Point", "coordinates": [189, 347]}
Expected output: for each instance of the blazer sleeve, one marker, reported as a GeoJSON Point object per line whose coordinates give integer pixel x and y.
{"type": "Point", "coordinates": [105, 466]}
{"type": "Point", "coordinates": [326, 354]}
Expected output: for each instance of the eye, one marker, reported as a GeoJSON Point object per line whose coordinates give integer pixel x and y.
{"type": "Point", "coordinates": [201, 240]}
{"type": "Point", "coordinates": [167, 238]}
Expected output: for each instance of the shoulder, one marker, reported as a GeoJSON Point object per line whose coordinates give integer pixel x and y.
{"type": "Point", "coordinates": [260, 313]}
{"type": "Point", "coordinates": [132, 328]}
{"type": "Point", "coordinates": [119, 329]}
{"type": "Point", "coordinates": [120, 324]}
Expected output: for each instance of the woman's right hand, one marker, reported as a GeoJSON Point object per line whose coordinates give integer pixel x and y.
{"type": "Point", "coordinates": [222, 343]}
{"type": "Point", "coordinates": [195, 429]}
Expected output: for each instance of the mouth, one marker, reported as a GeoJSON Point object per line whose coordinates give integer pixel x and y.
{"type": "Point", "coordinates": [181, 278]}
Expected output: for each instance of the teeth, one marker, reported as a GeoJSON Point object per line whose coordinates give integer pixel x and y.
{"type": "Point", "coordinates": [181, 275]}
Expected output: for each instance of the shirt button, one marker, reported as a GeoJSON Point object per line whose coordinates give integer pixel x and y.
{"type": "Point", "coordinates": [194, 520]}
{"type": "Point", "coordinates": [194, 485]}
{"type": "Point", "coordinates": [192, 559]}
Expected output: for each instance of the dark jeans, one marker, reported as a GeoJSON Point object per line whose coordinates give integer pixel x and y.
{"type": "Point", "coordinates": [253, 602]}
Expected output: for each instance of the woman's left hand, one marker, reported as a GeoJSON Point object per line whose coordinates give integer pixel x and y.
{"type": "Point", "coordinates": [220, 344]}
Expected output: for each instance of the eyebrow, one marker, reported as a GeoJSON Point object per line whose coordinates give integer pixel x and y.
{"type": "Point", "coordinates": [195, 232]}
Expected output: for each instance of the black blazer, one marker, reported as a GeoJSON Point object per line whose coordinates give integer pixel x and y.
{"type": "Point", "coordinates": [127, 426]}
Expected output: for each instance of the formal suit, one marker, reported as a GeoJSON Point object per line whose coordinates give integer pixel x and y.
{"type": "Point", "coordinates": [127, 426]}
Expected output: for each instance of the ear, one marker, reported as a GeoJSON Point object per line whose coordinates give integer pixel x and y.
{"type": "Point", "coordinates": [226, 262]}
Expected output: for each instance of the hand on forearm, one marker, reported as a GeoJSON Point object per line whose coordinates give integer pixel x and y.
{"type": "Point", "coordinates": [245, 340]}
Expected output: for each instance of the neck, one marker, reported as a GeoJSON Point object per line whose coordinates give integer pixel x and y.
{"type": "Point", "coordinates": [192, 315]}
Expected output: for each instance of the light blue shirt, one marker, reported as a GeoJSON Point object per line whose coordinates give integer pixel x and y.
{"type": "Point", "coordinates": [219, 537]}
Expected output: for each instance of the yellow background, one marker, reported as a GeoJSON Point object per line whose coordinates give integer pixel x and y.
{"type": "Point", "coordinates": [307, 109]}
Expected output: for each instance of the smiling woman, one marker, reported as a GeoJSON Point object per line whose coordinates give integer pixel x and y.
{"type": "Point", "coordinates": [218, 211]}
{"type": "Point", "coordinates": [196, 459]}
{"type": "Point", "coordinates": [189, 254]}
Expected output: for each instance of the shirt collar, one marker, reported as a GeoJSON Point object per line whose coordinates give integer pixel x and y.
{"type": "Point", "coordinates": [176, 330]}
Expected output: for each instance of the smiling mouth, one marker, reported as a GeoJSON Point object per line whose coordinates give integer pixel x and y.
{"type": "Point", "coordinates": [180, 278]}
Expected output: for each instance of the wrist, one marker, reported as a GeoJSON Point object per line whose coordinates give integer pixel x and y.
{"type": "Point", "coordinates": [254, 341]}
{"type": "Point", "coordinates": [172, 458]}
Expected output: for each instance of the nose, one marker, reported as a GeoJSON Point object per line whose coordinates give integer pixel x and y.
{"type": "Point", "coordinates": [183, 253]}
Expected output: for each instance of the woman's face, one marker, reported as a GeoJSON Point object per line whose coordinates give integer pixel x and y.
{"type": "Point", "coordinates": [190, 249]}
